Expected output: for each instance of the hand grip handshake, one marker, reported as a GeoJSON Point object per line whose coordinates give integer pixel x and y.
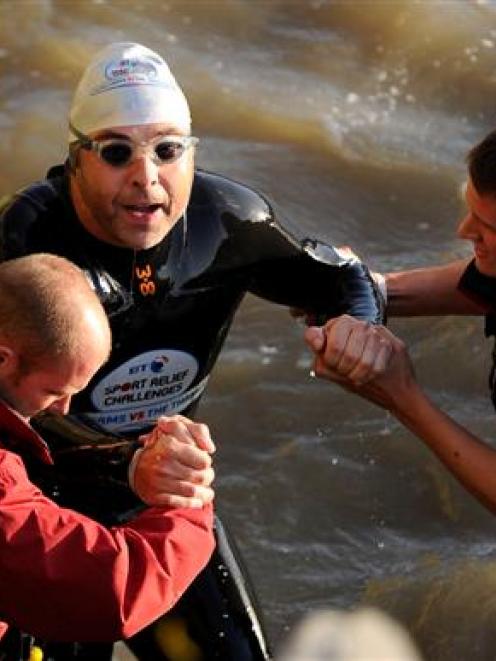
{"type": "Point", "coordinates": [174, 466]}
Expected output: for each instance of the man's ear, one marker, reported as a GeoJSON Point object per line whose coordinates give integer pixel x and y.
{"type": "Point", "coordinates": [8, 360]}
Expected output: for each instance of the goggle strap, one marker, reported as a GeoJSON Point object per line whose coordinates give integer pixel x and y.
{"type": "Point", "coordinates": [83, 139]}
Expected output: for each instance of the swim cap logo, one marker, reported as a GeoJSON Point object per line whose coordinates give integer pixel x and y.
{"type": "Point", "coordinates": [131, 71]}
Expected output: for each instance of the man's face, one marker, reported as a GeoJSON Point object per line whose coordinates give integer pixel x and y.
{"type": "Point", "coordinates": [48, 387]}
{"type": "Point", "coordinates": [135, 205]}
{"type": "Point", "coordinates": [479, 226]}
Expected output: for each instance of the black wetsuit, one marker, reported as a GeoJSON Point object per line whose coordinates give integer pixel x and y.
{"type": "Point", "coordinates": [170, 308]}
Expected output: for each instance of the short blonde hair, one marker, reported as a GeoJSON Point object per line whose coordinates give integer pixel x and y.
{"type": "Point", "coordinates": [43, 301]}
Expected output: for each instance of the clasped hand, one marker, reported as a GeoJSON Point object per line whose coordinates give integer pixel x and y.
{"type": "Point", "coordinates": [174, 467]}
{"type": "Point", "coordinates": [364, 358]}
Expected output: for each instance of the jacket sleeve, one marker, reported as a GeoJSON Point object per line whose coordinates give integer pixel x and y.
{"type": "Point", "coordinates": [65, 577]}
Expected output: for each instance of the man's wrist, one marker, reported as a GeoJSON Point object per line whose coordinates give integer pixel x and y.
{"type": "Point", "coordinates": [380, 281]}
{"type": "Point", "coordinates": [131, 471]}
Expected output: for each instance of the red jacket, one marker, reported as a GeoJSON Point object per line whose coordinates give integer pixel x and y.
{"type": "Point", "coordinates": [64, 577]}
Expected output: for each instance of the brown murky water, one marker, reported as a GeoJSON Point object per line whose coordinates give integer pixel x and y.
{"type": "Point", "coordinates": [353, 118]}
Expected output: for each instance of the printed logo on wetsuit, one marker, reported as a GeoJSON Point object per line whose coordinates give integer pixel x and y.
{"type": "Point", "coordinates": [149, 385]}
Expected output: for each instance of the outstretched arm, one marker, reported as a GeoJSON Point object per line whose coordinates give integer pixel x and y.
{"type": "Point", "coordinates": [396, 389]}
{"type": "Point", "coordinates": [429, 291]}
{"type": "Point", "coordinates": [362, 353]}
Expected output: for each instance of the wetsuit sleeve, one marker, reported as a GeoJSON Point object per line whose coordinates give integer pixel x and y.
{"type": "Point", "coordinates": [315, 277]}
{"type": "Point", "coordinates": [64, 577]}
{"type": "Point", "coordinates": [236, 228]}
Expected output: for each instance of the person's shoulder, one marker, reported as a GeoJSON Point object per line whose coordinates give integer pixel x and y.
{"type": "Point", "coordinates": [210, 188]}
{"type": "Point", "coordinates": [37, 195]}
{"type": "Point", "coordinates": [35, 198]}
{"type": "Point", "coordinates": [30, 208]}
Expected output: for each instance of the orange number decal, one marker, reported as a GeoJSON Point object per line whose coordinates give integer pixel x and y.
{"type": "Point", "coordinates": [147, 288]}
{"type": "Point", "coordinates": [144, 274]}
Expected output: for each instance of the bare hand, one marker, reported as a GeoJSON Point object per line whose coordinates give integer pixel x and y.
{"type": "Point", "coordinates": [350, 348]}
{"type": "Point", "coordinates": [367, 360]}
{"type": "Point", "coordinates": [174, 468]}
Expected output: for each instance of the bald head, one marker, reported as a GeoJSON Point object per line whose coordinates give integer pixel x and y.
{"type": "Point", "coordinates": [49, 311]}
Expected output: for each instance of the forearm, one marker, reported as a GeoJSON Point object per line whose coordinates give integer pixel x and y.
{"type": "Point", "coordinates": [395, 388]}
{"type": "Point", "coordinates": [429, 291]}
{"type": "Point", "coordinates": [91, 582]}
{"type": "Point", "coordinates": [470, 460]}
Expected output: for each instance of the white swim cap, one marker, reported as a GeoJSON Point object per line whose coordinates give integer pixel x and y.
{"type": "Point", "coordinates": [127, 84]}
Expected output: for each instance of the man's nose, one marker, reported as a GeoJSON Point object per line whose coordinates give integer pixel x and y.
{"type": "Point", "coordinates": [467, 229]}
{"type": "Point", "coordinates": [144, 172]}
{"type": "Point", "coordinates": [61, 405]}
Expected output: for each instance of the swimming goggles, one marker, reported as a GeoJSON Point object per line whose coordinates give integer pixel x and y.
{"type": "Point", "coordinates": [119, 152]}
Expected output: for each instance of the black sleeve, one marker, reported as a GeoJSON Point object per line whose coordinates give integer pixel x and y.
{"type": "Point", "coordinates": [251, 244]}
{"type": "Point", "coordinates": [306, 274]}
{"type": "Point", "coordinates": [479, 287]}
{"type": "Point", "coordinates": [318, 280]}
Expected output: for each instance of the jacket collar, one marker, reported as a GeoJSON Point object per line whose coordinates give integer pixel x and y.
{"type": "Point", "coordinates": [16, 434]}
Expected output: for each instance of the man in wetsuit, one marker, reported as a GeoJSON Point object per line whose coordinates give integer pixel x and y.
{"type": "Point", "coordinates": [171, 251]}
{"type": "Point", "coordinates": [375, 364]}
{"type": "Point", "coordinates": [63, 575]}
